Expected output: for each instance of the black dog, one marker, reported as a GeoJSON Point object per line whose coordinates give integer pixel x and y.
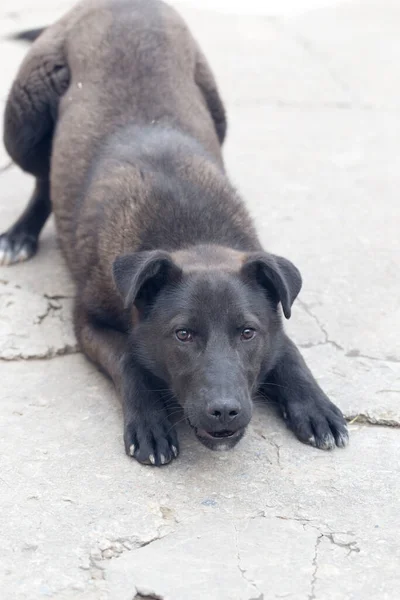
{"type": "Point", "coordinates": [115, 111]}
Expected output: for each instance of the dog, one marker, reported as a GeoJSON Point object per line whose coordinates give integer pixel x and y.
{"type": "Point", "coordinates": [117, 115]}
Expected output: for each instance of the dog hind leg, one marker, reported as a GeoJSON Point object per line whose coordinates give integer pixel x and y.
{"type": "Point", "coordinates": [20, 242]}
{"type": "Point", "coordinates": [28, 133]}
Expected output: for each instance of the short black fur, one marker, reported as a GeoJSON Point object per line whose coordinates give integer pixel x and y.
{"type": "Point", "coordinates": [116, 113]}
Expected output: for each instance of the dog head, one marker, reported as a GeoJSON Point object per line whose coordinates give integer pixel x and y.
{"type": "Point", "coordinates": [207, 324]}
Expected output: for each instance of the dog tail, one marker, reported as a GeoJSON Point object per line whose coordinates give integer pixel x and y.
{"type": "Point", "coordinates": [29, 35]}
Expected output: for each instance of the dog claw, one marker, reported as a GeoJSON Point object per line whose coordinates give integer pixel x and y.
{"type": "Point", "coordinates": [328, 442]}
{"type": "Point", "coordinates": [342, 439]}
{"type": "Point", "coordinates": [150, 443]}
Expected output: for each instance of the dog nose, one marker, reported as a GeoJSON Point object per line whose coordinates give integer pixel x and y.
{"type": "Point", "coordinates": [224, 411]}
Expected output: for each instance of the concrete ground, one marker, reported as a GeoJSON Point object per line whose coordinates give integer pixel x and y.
{"type": "Point", "coordinates": [312, 90]}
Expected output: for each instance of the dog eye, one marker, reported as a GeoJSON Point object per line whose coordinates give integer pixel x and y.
{"type": "Point", "coordinates": [184, 335]}
{"type": "Point", "coordinates": [247, 334]}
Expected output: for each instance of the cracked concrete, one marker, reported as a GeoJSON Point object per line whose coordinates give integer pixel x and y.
{"type": "Point", "coordinates": [320, 325]}
{"type": "Point", "coordinates": [311, 94]}
{"type": "Point", "coordinates": [33, 325]}
{"type": "Point", "coordinates": [239, 565]}
{"type": "Point", "coordinates": [315, 567]}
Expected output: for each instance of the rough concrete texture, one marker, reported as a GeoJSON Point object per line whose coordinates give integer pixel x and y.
{"type": "Point", "coordinates": [311, 88]}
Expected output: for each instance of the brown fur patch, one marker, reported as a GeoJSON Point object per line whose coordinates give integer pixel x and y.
{"type": "Point", "coordinates": [204, 258]}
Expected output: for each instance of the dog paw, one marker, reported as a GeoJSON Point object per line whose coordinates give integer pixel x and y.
{"type": "Point", "coordinates": [16, 247]}
{"type": "Point", "coordinates": [151, 441]}
{"type": "Point", "coordinates": [318, 422]}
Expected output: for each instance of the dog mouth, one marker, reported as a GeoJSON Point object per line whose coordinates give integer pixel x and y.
{"type": "Point", "coordinates": [216, 435]}
{"type": "Point", "coordinates": [224, 439]}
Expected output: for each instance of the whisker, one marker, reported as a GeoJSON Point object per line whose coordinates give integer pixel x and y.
{"type": "Point", "coordinates": [171, 414]}
{"type": "Point", "coordinates": [158, 389]}
{"type": "Point", "coordinates": [169, 401]}
{"type": "Point", "coordinates": [175, 424]}
{"type": "Point", "coordinates": [168, 411]}
{"type": "Point", "coordinates": [284, 387]}
{"type": "Point", "coordinates": [264, 400]}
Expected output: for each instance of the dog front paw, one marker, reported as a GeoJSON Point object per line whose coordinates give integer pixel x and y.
{"type": "Point", "coordinates": [318, 422]}
{"type": "Point", "coordinates": [151, 441]}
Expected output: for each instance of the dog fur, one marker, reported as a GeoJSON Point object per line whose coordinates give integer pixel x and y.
{"type": "Point", "coordinates": [116, 113]}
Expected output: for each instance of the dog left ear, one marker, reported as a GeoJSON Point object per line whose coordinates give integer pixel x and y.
{"type": "Point", "coordinates": [277, 275]}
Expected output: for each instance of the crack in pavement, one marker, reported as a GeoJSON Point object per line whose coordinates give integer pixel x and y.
{"type": "Point", "coordinates": [58, 297]}
{"type": "Point", "coordinates": [332, 536]}
{"type": "Point", "coordinates": [51, 353]}
{"type": "Point", "coordinates": [302, 520]}
{"type": "Point", "coordinates": [113, 548]}
{"type": "Point", "coordinates": [351, 546]}
{"type": "Point", "coordinates": [311, 595]}
{"type": "Point", "coordinates": [278, 451]}
{"type": "Point", "coordinates": [366, 419]}
{"type": "Point", "coordinates": [357, 354]}
{"type": "Point", "coordinates": [54, 305]}
{"type": "Point", "coordinates": [308, 345]}
{"type": "Point", "coordinates": [327, 340]}
{"type": "Point", "coordinates": [243, 571]}
{"type": "Point", "coordinates": [51, 309]}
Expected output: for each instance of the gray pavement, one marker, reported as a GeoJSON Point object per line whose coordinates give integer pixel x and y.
{"type": "Point", "coordinates": [312, 91]}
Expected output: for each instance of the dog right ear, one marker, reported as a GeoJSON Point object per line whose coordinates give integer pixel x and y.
{"type": "Point", "coordinates": [141, 275]}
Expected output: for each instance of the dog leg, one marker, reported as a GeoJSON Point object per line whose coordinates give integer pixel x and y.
{"type": "Point", "coordinates": [20, 242]}
{"type": "Point", "coordinates": [206, 82]}
{"type": "Point", "coordinates": [29, 120]}
{"type": "Point", "coordinates": [307, 410]}
{"type": "Point", "coordinates": [149, 435]}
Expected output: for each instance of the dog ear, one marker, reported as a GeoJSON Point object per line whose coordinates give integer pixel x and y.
{"type": "Point", "coordinates": [277, 275]}
{"type": "Point", "coordinates": [141, 275]}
